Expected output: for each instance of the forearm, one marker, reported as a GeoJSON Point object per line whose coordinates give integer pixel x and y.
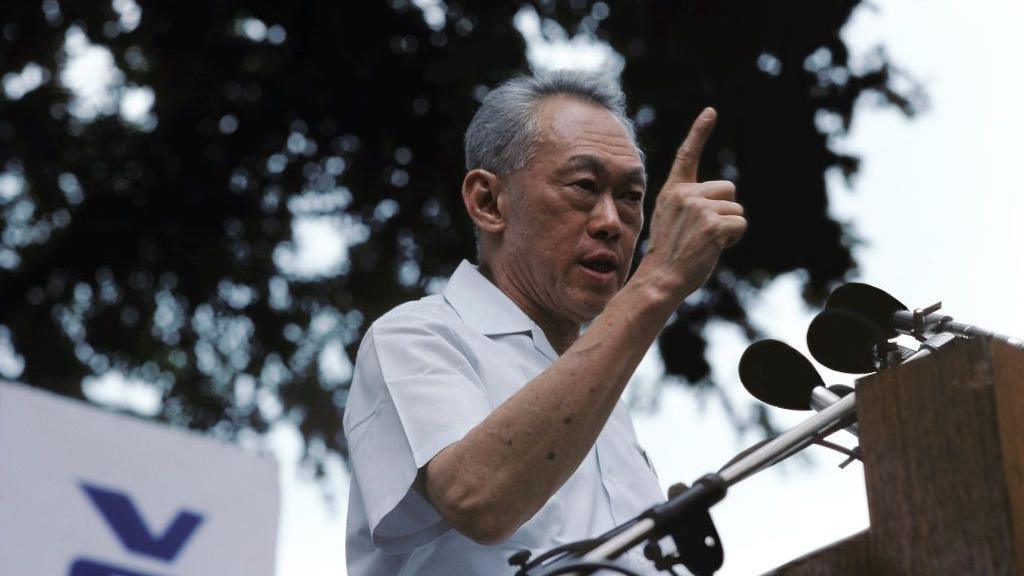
{"type": "Point", "coordinates": [509, 465]}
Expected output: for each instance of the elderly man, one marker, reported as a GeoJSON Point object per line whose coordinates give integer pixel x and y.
{"type": "Point", "coordinates": [481, 420]}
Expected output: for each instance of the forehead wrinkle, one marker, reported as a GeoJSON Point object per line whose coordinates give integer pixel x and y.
{"type": "Point", "coordinates": [605, 141]}
{"type": "Point", "coordinates": [558, 132]}
{"type": "Point", "coordinates": [609, 139]}
{"type": "Point", "coordinates": [604, 133]}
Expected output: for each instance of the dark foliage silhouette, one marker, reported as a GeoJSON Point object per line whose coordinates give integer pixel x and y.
{"type": "Point", "coordinates": [164, 245]}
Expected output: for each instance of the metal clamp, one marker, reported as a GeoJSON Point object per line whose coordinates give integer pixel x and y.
{"type": "Point", "coordinates": [920, 314]}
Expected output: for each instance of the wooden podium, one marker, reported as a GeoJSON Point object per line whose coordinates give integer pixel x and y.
{"type": "Point", "coordinates": [943, 446]}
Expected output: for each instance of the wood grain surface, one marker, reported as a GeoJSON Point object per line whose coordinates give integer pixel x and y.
{"type": "Point", "coordinates": [943, 445]}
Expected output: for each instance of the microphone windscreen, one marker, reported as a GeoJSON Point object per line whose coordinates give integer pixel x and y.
{"type": "Point", "coordinates": [874, 304]}
{"type": "Point", "coordinates": [844, 340]}
{"type": "Point", "coordinates": [777, 374]}
{"type": "Point", "coordinates": [840, 389]}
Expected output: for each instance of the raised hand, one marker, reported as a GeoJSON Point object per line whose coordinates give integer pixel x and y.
{"type": "Point", "coordinates": [693, 221]}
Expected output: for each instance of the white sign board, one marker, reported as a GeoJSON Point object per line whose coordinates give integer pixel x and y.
{"type": "Point", "coordinates": [84, 492]}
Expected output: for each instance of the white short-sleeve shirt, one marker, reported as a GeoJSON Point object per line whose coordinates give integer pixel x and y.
{"type": "Point", "coordinates": [426, 373]}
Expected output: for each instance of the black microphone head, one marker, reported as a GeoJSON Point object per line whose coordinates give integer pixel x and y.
{"type": "Point", "coordinates": [844, 340]}
{"type": "Point", "coordinates": [776, 373]}
{"type": "Point", "coordinates": [839, 389]}
{"type": "Point", "coordinates": [872, 303]}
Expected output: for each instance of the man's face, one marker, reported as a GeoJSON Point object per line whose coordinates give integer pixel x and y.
{"type": "Point", "coordinates": [575, 212]}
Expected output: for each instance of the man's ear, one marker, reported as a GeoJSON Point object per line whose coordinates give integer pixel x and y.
{"type": "Point", "coordinates": [481, 191]}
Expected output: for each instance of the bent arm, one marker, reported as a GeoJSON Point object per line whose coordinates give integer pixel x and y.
{"type": "Point", "coordinates": [507, 467]}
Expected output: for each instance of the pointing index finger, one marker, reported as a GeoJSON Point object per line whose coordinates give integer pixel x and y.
{"type": "Point", "coordinates": [684, 169]}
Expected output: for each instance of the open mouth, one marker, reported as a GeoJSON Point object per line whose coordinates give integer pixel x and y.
{"type": "Point", "coordinates": [600, 265]}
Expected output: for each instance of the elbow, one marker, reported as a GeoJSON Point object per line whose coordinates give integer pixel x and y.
{"type": "Point", "coordinates": [476, 514]}
{"type": "Point", "coordinates": [487, 531]}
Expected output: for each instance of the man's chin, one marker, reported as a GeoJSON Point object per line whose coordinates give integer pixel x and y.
{"type": "Point", "coordinates": [591, 305]}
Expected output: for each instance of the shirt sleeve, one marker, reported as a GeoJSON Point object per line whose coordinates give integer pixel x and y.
{"type": "Point", "coordinates": [414, 392]}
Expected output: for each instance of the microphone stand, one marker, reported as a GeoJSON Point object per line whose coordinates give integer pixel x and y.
{"type": "Point", "coordinates": [673, 515]}
{"type": "Point", "coordinates": [822, 397]}
{"type": "Point", "coordinates": [923, 321]}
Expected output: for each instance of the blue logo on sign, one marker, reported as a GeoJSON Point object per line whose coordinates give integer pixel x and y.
{"type": "Point", "coordinates": [124, 519]}
{"type": "Point", "coordinates": [86, 567]}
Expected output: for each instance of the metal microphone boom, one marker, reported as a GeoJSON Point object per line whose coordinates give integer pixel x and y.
{"type": "Point", "coordinates": [711, 488]}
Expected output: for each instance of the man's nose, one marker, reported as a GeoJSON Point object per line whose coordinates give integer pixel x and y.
{"type": "Point", "coordinates": [604, 218]}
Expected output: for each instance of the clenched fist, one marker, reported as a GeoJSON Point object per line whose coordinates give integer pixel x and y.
{"type": "Point", "coordinates": [693, 221]}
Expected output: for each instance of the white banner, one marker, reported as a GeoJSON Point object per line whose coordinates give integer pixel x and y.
{"type": "Point", "coordinates": [84, 492]}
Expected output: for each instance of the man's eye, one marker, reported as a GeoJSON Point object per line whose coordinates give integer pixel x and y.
{"type": "Point", "coordinates": [587, 185]}
{"type": "Point", "coordinates": [633, 197]}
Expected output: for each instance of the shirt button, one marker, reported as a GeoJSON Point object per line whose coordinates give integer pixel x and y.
{"type": "Point", "coordinates": [612, 480]}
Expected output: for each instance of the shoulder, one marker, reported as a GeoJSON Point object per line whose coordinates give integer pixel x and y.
{"type": "Point", "coordinates": [428, 315]}
{"type": "Point", "coordinates": [409, 347]}
{"type": "Point", "coordinates": [416, 324]}
{"type": "Point", "coordinates": [432, 309]}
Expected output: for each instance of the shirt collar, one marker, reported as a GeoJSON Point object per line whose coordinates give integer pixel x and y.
{"type": "Point", "coordinates": [484, 307]}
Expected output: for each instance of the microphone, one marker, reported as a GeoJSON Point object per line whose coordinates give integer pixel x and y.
{"type": "Point", "coordinates": [874, 304]}
{"type": "Point", "coordinates": [891, 315]}
{"type": "Point", "coordinates": [779, 375]}
{"type": "Point", "coordinates": [847, 341]}
{"type": "Point", "coordinates": [852, 334]}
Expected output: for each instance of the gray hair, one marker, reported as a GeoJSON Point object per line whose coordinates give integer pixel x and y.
{"type": "Point", "coordinates": [501, 136]}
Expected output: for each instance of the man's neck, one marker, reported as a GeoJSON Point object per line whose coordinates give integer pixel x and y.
{"type": "Point", "coordinates": [561, 333]}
